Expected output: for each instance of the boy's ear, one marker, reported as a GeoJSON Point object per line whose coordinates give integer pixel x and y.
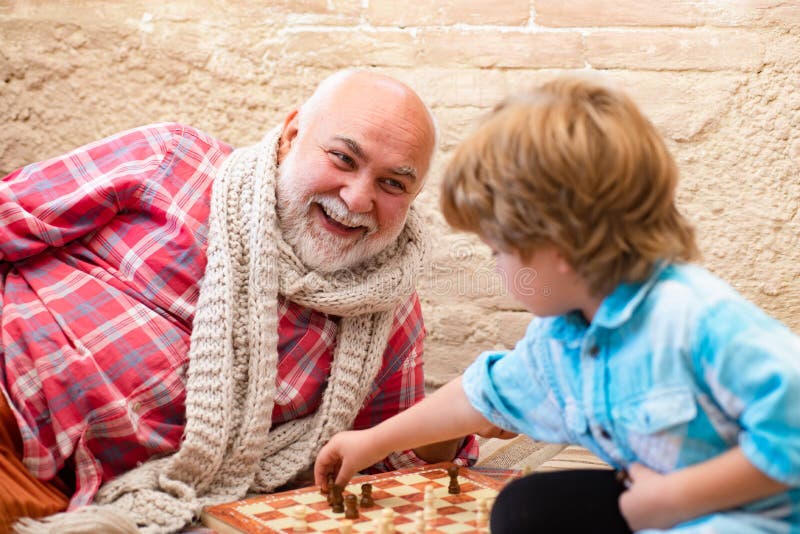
{"type": "Point", "coordinates": [288, 134]}
{"type": "Point", "coordinates": [562, 265]}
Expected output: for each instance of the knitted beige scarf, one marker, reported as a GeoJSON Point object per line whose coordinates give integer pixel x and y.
{"type": "Point", "coordinates": [228, 448]}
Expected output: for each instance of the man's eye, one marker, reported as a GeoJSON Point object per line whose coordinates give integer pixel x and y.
{"type": "Point", "coordinates": [393, 185]}
{"type": "Point", "coordinates": [344, 158]}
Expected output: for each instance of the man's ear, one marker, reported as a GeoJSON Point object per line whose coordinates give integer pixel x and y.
{"type": "Point", "coordinates": [288, 135]}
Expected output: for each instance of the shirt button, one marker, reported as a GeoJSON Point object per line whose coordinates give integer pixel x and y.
{"type": "Point", "coordinates": [604, 433]}
{"type": "Point", "coordinates": [137, 406]}
{"type": "Point", "coordinates": [594, 351]}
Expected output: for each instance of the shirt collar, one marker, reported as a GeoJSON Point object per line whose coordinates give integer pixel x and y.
{"type": "Point", "coordinates": [619, 306]}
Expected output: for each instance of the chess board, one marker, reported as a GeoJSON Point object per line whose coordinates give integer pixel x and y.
{"type": "Point", "coordinates": [402, 491]}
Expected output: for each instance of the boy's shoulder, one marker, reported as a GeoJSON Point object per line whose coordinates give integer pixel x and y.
{"type": "Point", "coordinates": [694, 294]}
{"type": "Point", "coordinates": [693, 283]}
{"type": "Point", "coordinates": [678, 294]}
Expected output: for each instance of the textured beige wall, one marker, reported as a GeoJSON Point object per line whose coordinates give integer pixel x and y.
{"type": "Point", "coordinates": [721, 79]}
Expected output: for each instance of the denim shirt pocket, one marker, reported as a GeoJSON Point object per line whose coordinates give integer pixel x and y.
{"type": "Point", "coordinates": [657, 410]}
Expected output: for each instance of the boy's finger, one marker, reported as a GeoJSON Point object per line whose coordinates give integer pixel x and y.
{"type": "Point", "coordinates": [344, 475]}
{"type": "Point", "coordinates": [322, 467]}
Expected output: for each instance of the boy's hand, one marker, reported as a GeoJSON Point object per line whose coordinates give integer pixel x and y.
{"type": "Point", "coordinates": [721, 483]}
{"type": "Point", "coordinates": [648, 501]}
{"type": "Point", "coordinates": [346, 454]}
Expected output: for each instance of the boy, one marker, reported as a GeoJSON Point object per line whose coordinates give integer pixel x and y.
{"type": "Point", "coordinates": [652, 363]}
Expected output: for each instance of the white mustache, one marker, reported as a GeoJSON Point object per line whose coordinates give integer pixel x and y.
{"type": "Point", "coordinates": [338, 211]}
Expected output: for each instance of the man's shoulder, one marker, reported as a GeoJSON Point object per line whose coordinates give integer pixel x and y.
{"type": "Point", "coordinates": [408, 322]}
{"type": "Point", "coordinates": [409, 310]}
{"type": "Point", "coordinates": [169, 134]}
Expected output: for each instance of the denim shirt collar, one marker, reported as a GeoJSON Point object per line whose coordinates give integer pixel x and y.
{"type": "Point", "coordinates": [614, 311]}
{"type": "Point", "coordinates": [619, 306]}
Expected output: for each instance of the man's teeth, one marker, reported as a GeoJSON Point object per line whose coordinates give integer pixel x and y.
{"type": "Point", "coordinates": [328, 214]}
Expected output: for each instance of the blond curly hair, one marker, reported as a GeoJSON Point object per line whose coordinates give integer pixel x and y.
{"type": "Point", "coordinates": [573, 164]}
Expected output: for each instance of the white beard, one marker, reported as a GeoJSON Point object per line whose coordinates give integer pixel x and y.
{"type": "Point", "coordinates": [317, 248]}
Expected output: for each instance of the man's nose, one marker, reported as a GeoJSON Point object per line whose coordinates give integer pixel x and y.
{"type": "Point", "coordinates": [358, 194]}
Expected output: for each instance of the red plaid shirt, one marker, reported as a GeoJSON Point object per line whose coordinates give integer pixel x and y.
{"type": "Point", "coordinates": [101, 251]}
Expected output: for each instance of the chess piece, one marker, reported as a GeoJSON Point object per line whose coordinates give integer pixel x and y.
{"type": "Point", "coordinates": [387, 518]}
{"type": "Point", "coordinates": [482, 513]}
{"type": "Point", "coordinates": [419, 523]}
{"type": "Point", "coordinates": [337, 506]}
{"type": "Point", "coordinates": [430, 511]}
{"type": "Point", "coordinates": [366, 496]}
{"type": "Point", "coordinates": [351, 506]}
{"type": "Point", "coordinates": [346, 527]}
{"type": "Point", "coordinates": [453, 488]}
{"type": "Point", "coordinates": [331, 492]}
{"type": "Point", "coordinates": [299, 515]}
{"type": "Point", "coordinates": [331, 479]}
{"type": "Point", "coordinates": [428, 494]}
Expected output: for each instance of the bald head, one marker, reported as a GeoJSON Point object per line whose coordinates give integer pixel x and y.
{"type": "Point", "coordinates": [370, 89]}
{"type": "Point", "coordinates": [353, 157]}
{"type": "Point", "coordinates": [371, 93]}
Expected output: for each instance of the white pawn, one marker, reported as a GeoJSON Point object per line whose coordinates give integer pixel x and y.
{"type": "Point", "coordinates": [429, 494]}
{"type": "Point", "coordinates": [419, 523]}
{"type": "Point", "coordinates": [299, 515]}
{"type": "Point", "coordinates": [388, 520]}
{"type": "Point", "coordinates": [346, 527]}
{"type": "Point", "coordinates": [430, 510]}
{"type": "Point", "coordinates": [482, 514]}
{"type": "Point", "coordinates": [430, 513]}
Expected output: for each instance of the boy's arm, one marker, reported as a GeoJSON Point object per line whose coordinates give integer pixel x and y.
{"type": "Point", "coordinates": [400, 385]}
{"type": "Point", "coordinates": [445, 415]}
{"type": "Point", "coordinates": [662, 501]}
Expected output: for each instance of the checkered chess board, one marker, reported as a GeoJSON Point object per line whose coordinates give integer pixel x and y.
{"type": "Point", "coordinates": [402, 491]}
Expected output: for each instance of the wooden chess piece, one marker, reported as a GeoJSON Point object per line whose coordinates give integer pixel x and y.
{"type": "Point", "coordinates": [453, 488]}
{"type": "Point", "coordinates": [419, 523]}
{"type": "Point", "coordinates": [387, 519]}
{"type": "Point", "coordinates": [299, 515]}
{"type": "Point", "coordinates": [351, 506]}
{"type": "Point", "coordinates": [346, 527]}
{"type": "Point", "coordinates": [482, 513]}
{"type": "Point", "coordinates": [366, 496]}
{"type": "Point", "coordinates": [430, 511]}
{"type": "Point", "coordinates": [330, 478]}
{"type": "Point", "coordinates": [337, 506]}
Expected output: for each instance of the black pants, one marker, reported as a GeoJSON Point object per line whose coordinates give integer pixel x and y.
{"type": "Point", "coordinates": [582, 501]}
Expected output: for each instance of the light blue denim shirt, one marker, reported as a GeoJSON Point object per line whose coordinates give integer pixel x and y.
{"type": "Point", "coordinates": [671, 372]}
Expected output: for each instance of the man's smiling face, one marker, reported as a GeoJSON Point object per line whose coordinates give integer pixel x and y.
{"type": "Point", "coordinates": [354, 158]}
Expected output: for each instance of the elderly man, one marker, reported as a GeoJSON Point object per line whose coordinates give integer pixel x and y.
{"type": "Point", "coordinates": [183, 323]}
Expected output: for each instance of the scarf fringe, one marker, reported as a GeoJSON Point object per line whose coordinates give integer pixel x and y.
{"type": "Point", "coordinates": [87, 520]}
